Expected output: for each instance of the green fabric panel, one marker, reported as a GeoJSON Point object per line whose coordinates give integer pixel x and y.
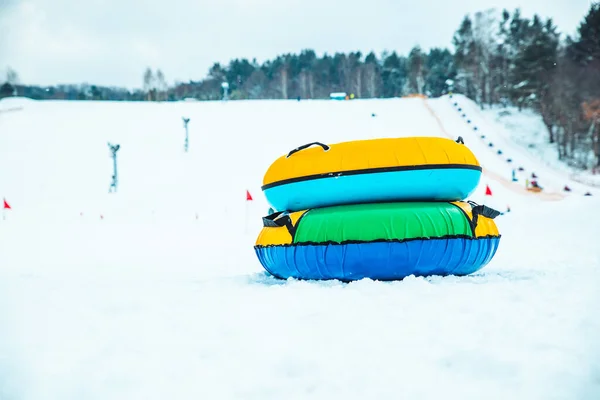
{"type": "Point", "coordinates": [382, 221]}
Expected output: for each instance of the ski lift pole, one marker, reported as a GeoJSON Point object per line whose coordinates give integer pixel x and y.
{"type": "Point", "coordinates": [114, 149]}
{"type": "Point", "coordinates": [187, 141]}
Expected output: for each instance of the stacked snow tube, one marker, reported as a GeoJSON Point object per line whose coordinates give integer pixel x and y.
{"type": "Point", "coordinates": [381, 209]}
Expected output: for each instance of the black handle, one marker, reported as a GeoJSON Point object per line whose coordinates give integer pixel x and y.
{"type": "Point", "coordinates": [279, 219]}
{"type": "Point", "coordinates": [297, 149]}
{"type": "Point", "coordinates": [460, 140]}
{"type": "Point", "coordinates": [477, 210]}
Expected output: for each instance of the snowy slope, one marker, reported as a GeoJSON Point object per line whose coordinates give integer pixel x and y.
{"type": "Point", "coordinates": [527, 129]}
{"type": "Point", "coordinates": [155, 292]}
{"type": "Point", "coordinates": [512, 139]}
{"type": "Point", "coordinates": [11, 104]}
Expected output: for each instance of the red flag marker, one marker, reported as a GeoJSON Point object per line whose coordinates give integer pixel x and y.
{"type": "Point", "coordinates": [6, 206]}
{"type": "Point", "coordinates": [248, 196]}
{"type": "Point", "coordinates": [488, 191]}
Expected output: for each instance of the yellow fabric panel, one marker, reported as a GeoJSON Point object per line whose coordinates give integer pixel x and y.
{"type": "Point", "coordinates": [485, 226]}
{"type": "Point", "coordinates": [466, 207]}
{"type": "Point", "coordinates": [280, 235]}
{"type": "Point", "coordinates": [372, 153]}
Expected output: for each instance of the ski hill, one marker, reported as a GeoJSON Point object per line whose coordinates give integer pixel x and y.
{"type": "Point", "coordinates": [155, 292]}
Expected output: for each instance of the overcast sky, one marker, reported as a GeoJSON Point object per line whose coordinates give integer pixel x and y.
{"type": "Point", "coordinates": [111, 42]}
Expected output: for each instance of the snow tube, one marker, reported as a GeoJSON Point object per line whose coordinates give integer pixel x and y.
{"type": "Point", "coordinates": [376, 170]}
{"type": "Point", "coordinates": [382, 241]}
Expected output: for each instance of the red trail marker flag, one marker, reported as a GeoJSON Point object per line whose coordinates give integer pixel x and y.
{"type": "Point", "coordinates": [6, 206]}
{"type": "Point", "coordinates": [488, 191]}
{"type": "Point", "coordinates": [248, 200]}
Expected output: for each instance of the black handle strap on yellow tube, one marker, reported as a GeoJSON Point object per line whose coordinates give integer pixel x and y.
{"type": "Point", "coordinates": [297, 149]}
{"type": "Point", "coordinates": [480, 209]}
{"type": "Point", "coordinates": [279, 219]}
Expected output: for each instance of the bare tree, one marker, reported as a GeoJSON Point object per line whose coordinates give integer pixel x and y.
{"type": "Point", "coordinates": [483, 34]}
{"type": "Point", "coordinates": [257, 85]}
{"type": "Point", "coordinates": [358, 80]}
{"type": "Point", "coordinates": [345, 73]}
{"type": "Point", "coordinates": [303, 83]}
{"type": "Point", "coordinates": [12, 77]}
{"type": "Point", "coordinates": [311, 85]}
{"type": "Point", "coordinates": [306, 84]}
{"type": "Point", "coordinates": [281, 83]}
{"type": "Point", "coordinates": [591, 111]}
{"type": "Point", "coordinates": [161, 86]}
{"type": "Point", "coordinates": [416, 70]}
{"type": "Point", "coordinates": [371, 80]}
{"type": "Point", "coordinates": [149, 84]}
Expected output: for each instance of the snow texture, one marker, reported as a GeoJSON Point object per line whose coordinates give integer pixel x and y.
{"type": "Point", "coordinates": [154, 292]}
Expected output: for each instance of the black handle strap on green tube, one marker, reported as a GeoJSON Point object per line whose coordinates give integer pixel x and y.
{"type": "Point", "coordinates": [279, 219]}
{"type": "Point", "coordinates": [297, 149]}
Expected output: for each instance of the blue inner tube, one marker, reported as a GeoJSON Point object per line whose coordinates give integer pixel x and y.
{"type": "Point", "coordinates": [383, 260]}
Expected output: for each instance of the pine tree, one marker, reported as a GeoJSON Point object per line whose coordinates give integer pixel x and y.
{"type": "Point", "coordinates": [306, 81]}
{"type": "Point", "coordinates": [586, 49]}
{"type": "Point", "coordinates": [238, 71]}
{"type": "Point", "coordinates": [372, 74]}
{"type": "Point", "coordinates": [394, 75]}
{"type": "Point", "coordinates": [324, 76]}
{"type": "Point", "coordinates": [535, 63]}
{"type": "Point", "coordinates": [6, 90]}
{"type": "Point", "coordinates": [518, 39]}
{"type": "Point", "coordinates": [440, 68]}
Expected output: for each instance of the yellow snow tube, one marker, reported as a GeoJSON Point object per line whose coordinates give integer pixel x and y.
{"type": "Point", "coordinates": [390, 169]}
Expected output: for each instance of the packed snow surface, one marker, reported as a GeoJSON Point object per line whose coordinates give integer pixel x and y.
{"type": "Point", "coordinates": [154, 292]}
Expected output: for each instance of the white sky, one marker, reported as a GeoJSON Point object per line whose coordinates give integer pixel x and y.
{"type": "Point", "coordinates": [111, 42]}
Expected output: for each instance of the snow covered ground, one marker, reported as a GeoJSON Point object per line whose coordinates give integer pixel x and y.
{"type": "Point", "coordinates": [155, 292]}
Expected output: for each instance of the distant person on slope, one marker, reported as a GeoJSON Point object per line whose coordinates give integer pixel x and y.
{"type": "Point", "coordinates": [535, 185]}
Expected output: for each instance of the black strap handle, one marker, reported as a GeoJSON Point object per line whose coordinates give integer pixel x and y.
{"type": "Point", "coordinates": [279, 219]}
{"type": "Point", "coordinates": [297, 149]}
{"type": "Point", "coordinates": [479, 209]}
{"type": "Point", "coordinates": [460, 140]}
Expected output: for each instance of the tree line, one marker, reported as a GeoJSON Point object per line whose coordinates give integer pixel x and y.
{"type": "Point", "coordinates": [498, 59]}
{"type": "Point", "coordinates": [523, 62]}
